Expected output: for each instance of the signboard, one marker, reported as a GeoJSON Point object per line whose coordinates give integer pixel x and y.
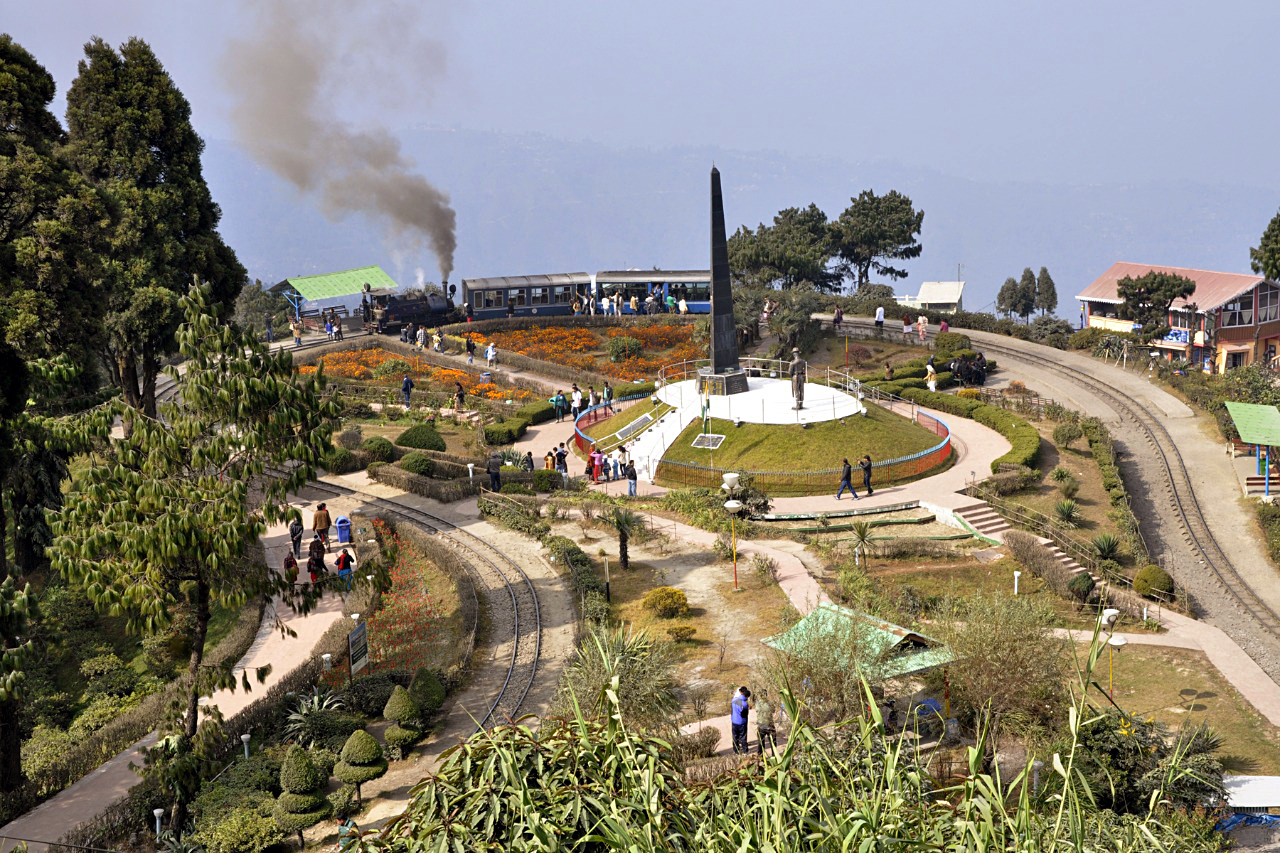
{"type": "Point", "coordinates": [634, 427]}
{"type": "Point", "coordinates": [1178, 336]}
{"type": "Point", "coordinates": [358, 647]}
{"type": "Point", "coordinates": [708, 441]}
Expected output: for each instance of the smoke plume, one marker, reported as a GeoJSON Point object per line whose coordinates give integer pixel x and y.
{"type": "Point", "coordinates": [284, 79]}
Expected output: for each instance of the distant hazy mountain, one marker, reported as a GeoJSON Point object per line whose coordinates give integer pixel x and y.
{"type": "Point", "coordinates": [532, 204]}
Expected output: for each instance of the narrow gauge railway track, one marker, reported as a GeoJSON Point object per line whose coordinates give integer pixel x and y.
{"type": "Point", "coordinates": [1197, 536]}
{"type": "Point", "coordinates": [514, 613]}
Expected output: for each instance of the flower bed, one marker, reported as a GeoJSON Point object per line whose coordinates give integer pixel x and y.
{"type": "Point", "coordinates": [586, 349]}
{"type": "Point", "coordinates": [383, 367]}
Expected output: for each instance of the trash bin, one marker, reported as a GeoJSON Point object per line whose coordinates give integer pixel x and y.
{"type": "Point", "coordinates": [344, 528]}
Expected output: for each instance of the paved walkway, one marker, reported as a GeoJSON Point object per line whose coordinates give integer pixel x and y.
{"type": "Point", "coordinates": [88, 797]}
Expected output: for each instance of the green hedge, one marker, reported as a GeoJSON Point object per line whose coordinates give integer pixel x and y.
{"type": "Point", "coordinates": [418, 463]}
{"type": "Point", "coordinates": [1021, 434]}
{"type": "Point", "coordinates": [422, 437]}
{"type": "Point", "coordinates": [506, 431]}
{"type": "Point", "coordinates": [536, 412]}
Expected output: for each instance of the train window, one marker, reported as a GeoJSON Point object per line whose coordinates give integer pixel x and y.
{"type": "Point", "coordinates": [562, 295]}
{"type": "Point", "coordinates": [516, 296]}
{"type": "Point", "coordinates": [538, 296]}
{"type": "Point", "coordinates": [698, 292]}
{"type": "Point", "coordinates": [492, 298]}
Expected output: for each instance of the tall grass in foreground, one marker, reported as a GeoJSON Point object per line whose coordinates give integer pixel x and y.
{"type": "Point", "coordinates": [598, 786]}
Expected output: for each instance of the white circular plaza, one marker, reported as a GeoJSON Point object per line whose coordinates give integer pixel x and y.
{"type": "Point", "coordinates": [767, 401]}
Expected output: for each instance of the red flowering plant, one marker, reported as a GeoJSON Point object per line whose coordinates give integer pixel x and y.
{"type": "Point", "coordinates": [403, 633]}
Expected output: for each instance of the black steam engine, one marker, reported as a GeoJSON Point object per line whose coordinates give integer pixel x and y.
{"type": "Point", "coordinates": [384, 311]}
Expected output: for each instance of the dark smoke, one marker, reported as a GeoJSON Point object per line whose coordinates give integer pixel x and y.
{"type": "Point", "coordinates": [286, 76]}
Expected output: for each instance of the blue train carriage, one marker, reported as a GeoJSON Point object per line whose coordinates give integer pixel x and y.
{"type": "Point", "coordinates": [694, 286]}
{"type": "Point", "coordinates": [502, 296]}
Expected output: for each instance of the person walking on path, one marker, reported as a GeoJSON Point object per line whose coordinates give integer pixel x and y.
{"type": "Point", "coordinates": [561, 404]}
{"type": "Point", "coordinates": [879, 319]}
{"type": "Point", "coordinates": [865, 465]}
{"type": "Point", "coordinates": [490, 355]}
{"type": "Point", "coordinates": [837, 318]}
{"type": "Point", "coordinates": [290, 569]}
{"type": "Point", "coordinates": [344, 563]}
{"type": "Point", "coordinates": [575, 407]}
{"type": "Point", "coordinates": [739, 711]}
{"type": "Point", "coordinates": [922, 326]}
{"type": "Point", "coordinates": [337, 325]}
{"type": "Point", "coordinates": [297, 333]}
{"type": "Point", "coordinates": [320, 523]}
{"type": "Point", "coordinates": [631, 478]}
{"type": "Point", "coordinates": [527, 464]}
{"type": "Point", "coordinates": [315, 559]}
{"type": "Point", "coordinates": [906, 328]}
{"type": "Point", "coordinates": [562, 460]}
{"type": "Point", "coordinates": [422, 338]}
{"type": "Point", "coordinates": [494, 469]}
{"type": "Point", "coordinates": [608, 397]}
{"type": "Point", "coordinates": [406, 388]}
{"type": "Point", "coordinates": [593, 459]}
{"type": "Point", "coordinates": [471, 312]}
{"type": "Point", "coordinates": [471, 350]}
{"type": "Point", "coordinates": [437, 342]}
{"type": "Point", "coordinates": [765, 731]}
{"type": "Point", "coordinates": [295, 536]}
{"type": "Point", "coordinates": [459, 396]}
{"type": "Point", "coordinates": [619, 457]}
{"type": "Point", "coordinates": [846, 480]}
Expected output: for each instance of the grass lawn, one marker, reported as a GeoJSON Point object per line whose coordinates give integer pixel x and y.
{"type": "Point", "coordinates": [1179, 687]}
{"type": "Point", "coordinates": [610, 425]}
{"type": "Point", "coordinates": [830, 350]}
{"type": "Point", "coordinates": [778, 447]}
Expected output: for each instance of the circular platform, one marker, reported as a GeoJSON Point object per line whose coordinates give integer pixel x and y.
{"type": "Point", "coordinates": [767, 401]}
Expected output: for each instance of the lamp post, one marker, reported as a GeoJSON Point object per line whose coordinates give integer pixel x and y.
{"type": "Point", "coordinates": [1016, 574]}
{"type": "Point", "coordinates": [734, 507]}
{"type": "Point", "coordinates": [1116, 642]}
{"type": "Point", "coordinates": [159, 813]}
{"type": "Point", "coordinates": [244, 739]}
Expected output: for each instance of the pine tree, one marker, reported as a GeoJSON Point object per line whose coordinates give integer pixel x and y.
{"type": "Point", "coordinates": [1007, 298]}
{"type": "Point", "coordinates": [1046, 292]}
{"type": "Point", "coordinates": [1265, 258]}
{"type": "Point", "coordinates": [130, 135]}
{"type": "Point", "coordinates": [1025, 298]}
{"type": "Point", "coordinates": [162, 523]}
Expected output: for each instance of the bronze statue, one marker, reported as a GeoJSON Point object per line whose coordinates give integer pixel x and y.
{"type": "Point", "coordinates": [799, 373]}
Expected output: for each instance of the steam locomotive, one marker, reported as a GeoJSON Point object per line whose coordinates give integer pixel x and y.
{"type": "Point", "coordinates": [384, 311]}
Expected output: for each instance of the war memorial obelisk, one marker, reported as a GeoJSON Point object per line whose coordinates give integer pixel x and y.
{"type": "Point", "coordinates": [724, 375]}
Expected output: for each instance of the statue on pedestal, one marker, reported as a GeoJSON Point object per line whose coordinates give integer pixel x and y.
{"type": "Point", "coordinates": [799, 374]}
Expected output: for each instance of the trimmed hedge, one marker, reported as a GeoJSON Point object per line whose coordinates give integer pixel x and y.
{"type": "Point", "coordinates": [400, 739]}
{"type": "Point", "coordinates": [506, 431]}
{"type": "Point", "coordinates": [421, 437]}
{"type": "Point", "coordinates": [1151, 580]}
{"type": "Point", "coordinates": [418, 463]}
{"type": "Point", "coordinates": [427, 690]}
{"type": "Point", "coordinates": [401, 708]}
{"type": "Point", "coordinates": [378, 448]}
{"type": "Point", "coordinates": [1024, 437]}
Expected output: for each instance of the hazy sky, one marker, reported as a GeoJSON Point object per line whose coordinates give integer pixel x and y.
{"type": "Point", "coordinates": [1074, 92]}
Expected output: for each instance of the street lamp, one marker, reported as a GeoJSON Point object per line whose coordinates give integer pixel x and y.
{"type": "Point", "coordinates": [1109, 617]}
{"type": "Point", "coordinates": [1016, 574]}
{"type": "Point", "coordinates": [244, 739]}
{"type": "Point", "coordinates": [734, 507]}
{"type": "Point", "coordinates": [159, 813]}
{"type": "Point", "coordinates": [1116, 642]}
{"type": "Point", "coordinates": [328, 661]}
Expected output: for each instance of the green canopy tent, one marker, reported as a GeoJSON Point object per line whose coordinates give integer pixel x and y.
{"type": "Point", "coordinates": [1260, 426]}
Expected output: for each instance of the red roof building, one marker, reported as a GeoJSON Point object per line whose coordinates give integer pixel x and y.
{"type": "Point", "coordinates": [1230, 320]}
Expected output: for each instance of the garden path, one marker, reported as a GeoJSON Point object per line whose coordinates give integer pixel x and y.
{"type": "Point", "coordinates": [90, 796]}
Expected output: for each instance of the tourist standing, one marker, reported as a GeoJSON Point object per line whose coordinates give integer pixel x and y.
{"type": "Point", "coordinates": [494, 468]}
{"type": "Point", "coordinates": [471, 350]}
{"type": "Point", "coordinates": [635, 304]}
{"type": "Point", "coordinates": [297, 333]}
{"type": "Point", "coordinates": [739, 711]}
{"type": "Point", "coordinates": [888, 372]}
{"type": "Point", "coordinates": [490, 355]}
{"type": "Point", "coordinates": [944, 327]}
{"type": "Point", "coordinates": [295, 535]}
{"type": "Point", "coordinates": [459, 396]}
{"type": "Point", "coordinates": [406, 388]}
{"type": "Point", "coordinates": [866, 466]}
{"type": "Point", "coordinates": [593, 460]}
{"type": "Point", "coordinates": [906, 328]}
{"type": "Point", "coordinates": [608, 397]}
{"type": "Point", "coordinates": [846, 480]}
{"type": "Point", "coordinates": [320, 523]}
{"type": "Point", "coordinates": [527, 462]}
{"type": "Point", "coordinates": [549, 461]}
{"type": "Point", "coordinates": [879, 319]}
{"type": "Point", "coordinates": [561, 405]}
{"type": "Point", "coordinates": [931, 375]}
{"type": "Point", "coordinates": [765, 731]}
{"type": "Point", "coordinates": [631, 478]}
{"type": "Point", "coordinates": [619, 457]}
{"type": "Point", "coordinates": [422, 338]}
{"type": "Point", "coordinates": [837, 318]}
{"type": "Point", "coordinates": [562, 460]}
{"type": "Point", "coordinates": [922, 326]}
{"type": "Point", "coordinates": [575, 407]}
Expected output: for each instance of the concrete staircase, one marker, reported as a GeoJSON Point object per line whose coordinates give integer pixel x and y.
{"type": "Point", "coordinates": [982, 518]}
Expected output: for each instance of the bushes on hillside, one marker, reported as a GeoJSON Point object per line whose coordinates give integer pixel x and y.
{"type": "Point", "coordinates": [622, 348]}
{"type": "Point", "coordinates": [421, 437]}
{"type": "Point", "coordinates": [951, 342]}
{"type": "Point", "coordinates": [666, 602]}
{"type": "Point", "coordinates": [343, 461]}
{"type": "Point", "coordinates": [1040, 561]}
{"type": "Point", "coordinates": [427, 691]}
{"type": "Point", "coordinates": [1153, 581]}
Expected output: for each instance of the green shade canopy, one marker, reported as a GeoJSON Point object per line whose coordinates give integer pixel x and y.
{"type": "Point", "coordinates": [863, 641]}
{"type": "Point", "coordinates": [1256, 424]}
{"type": "Point", "coordinates": [313, 288]}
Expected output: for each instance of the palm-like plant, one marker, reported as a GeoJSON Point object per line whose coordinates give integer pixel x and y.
{"type": "Point", "coordinates": [626, 522]}
{"type": "Point", "coordinates": [1068, 512]}
{"type": "Point", "coordinates": [1107, 545]}
{"type": "Point", "coordinates": [861, 540]}
{"type": "Point", "coordinates": [636, 667]}
{"type": "Point", "coordinates": [299, 726]}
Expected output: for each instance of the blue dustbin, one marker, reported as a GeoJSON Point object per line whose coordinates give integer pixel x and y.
{"type": "Point", "coordinates": [344, 528]}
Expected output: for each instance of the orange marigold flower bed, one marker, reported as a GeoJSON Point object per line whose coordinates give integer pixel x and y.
{"type": "Point", "coordinates": [361, 364]}
{"type": "Point", "coordinates": [583, 349]}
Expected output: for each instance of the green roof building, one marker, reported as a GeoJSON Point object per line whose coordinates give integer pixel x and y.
{"type": "Point", "coordinates": [861, 641]}
{"type": "Point", "coordinates": [310, 294]}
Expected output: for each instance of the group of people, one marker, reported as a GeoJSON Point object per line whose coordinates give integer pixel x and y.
{"type": "Point", "coordinates": [317, 551]}
{"type": "Point", "coordinates": [611, 304]}
{"type": "Point", "coordinates": [333, 325]}
{"type": "Point", "coordinates": [846, 477]}
{"type": "Point", "coordinates": [740, 708]}
{"type": "Point", "coordinates": [417, 336]}
{"type": "Point", "coordinates": [577, 402]}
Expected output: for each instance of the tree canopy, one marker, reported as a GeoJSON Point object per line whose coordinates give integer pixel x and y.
{"type": "Point", "coordinates": [795, 249]}
{"type": "Point", "coordinates": [1146, 300]}
{"type": "Point", "coordinates": [874, 230]}
{"type": "Point", "coordinates": [130, 135]}
{"type": "Point", "coordinates": [1046, 292]}
{"type": "Point", "coordinates": [161, 525]}
{"type": "Point", "coordinates": [1265, 257]}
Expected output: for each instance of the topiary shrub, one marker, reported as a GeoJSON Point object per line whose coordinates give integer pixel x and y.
{"type": "Point", "coordinates": [300, 805]}
{"type": "Point", "coordinates": [400, 740]}
{"type": "Point", "coordinates": [666, 602]}
{"type": "Point", "coordinates": [427, 691]}
{"type": "Point", "coordinates": [418, 463]}
{"type": "Point", "coordinates": [421, 437]}
{"type": "Point", "coordinates": [350, 437]}
{"type": "Point", "coordinates": [1080, 586]}
{"type": "Point", "coordinates": [250, 826]}
{"type": "Point", "coordinates": [622, 348]}
{"type": "Point", "coordinates": [951, 342]}
{"type": "Point", "coordinates": [361, 761]}
{"type": "Point", "coordinates": [1153, 581]}
{"type": "Point", "coordinates": [505, 432]}
{"type": "Point", "coordinates": [378, 448]}
{"type": "Point", "coordinates": [401, 708]}
{"type": "Point", "coordinates": [324, 759]}
{"type": "Point", "coordinates": [341, 461]}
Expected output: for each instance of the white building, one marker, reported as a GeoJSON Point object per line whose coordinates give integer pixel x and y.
{"type": "Point", "coordinates": [942, 296]}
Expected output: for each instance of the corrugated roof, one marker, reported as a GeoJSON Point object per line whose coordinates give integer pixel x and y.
{"type": "Point", "coordinates": [646, 276]}
{"type": "Point", "coordinates": [333, 284]}
{"type": "Point", "coordinates": [936, 292]}
{"type": "Point", "coordinates": [1252, 792]}
{"type": "Point", "coordinates": [574, 279]}
{"type": "Point", "coordinates": [1257, 424]}
{"type": "Point", "coordinates": [888, 650]}
{"type": "Point", "coordinates": [1213, 289]}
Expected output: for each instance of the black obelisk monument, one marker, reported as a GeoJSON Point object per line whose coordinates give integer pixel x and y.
{"type": "Point", "coordinates": [724, 376]}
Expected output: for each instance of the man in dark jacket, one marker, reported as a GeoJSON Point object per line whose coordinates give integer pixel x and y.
{"type": "Point", "coordinates": [494, 467]}
{"type": "Point", "coordinates": [295, 536]}
{"type": "Point", "coordinates": [865, 465]}
{"type": "Point", "coordinates": [846, 480]}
